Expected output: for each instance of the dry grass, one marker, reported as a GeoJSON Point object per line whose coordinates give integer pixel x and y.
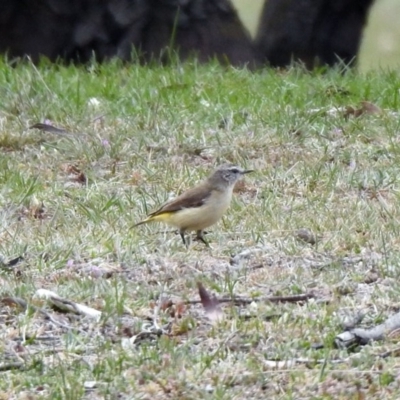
{"type": "Point", "coordinates": [138, 135]}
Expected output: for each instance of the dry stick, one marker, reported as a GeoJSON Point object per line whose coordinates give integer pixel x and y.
{"type": "Point", "coordinates": [291, 362]}
{"type": "Point", "coordinates": [380, 331]}
{"type": "Point", "coordinates": [281, 364]}
{"type": "Point", "coordinates": [394, 352]}
{"type": "Point", "coordinates": [273, 299]}
{"type": "Point", "coordinates": [50, 128]}
{"type": "Point", "coordinates": [68, 305]}
{"type": "Point", "coordinates": [24, 305]}
{"type": "Point", "coordinates": [363, 336]}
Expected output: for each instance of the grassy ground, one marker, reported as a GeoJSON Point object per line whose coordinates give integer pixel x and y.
{"type": "Point", "coordinates": [136, 136]}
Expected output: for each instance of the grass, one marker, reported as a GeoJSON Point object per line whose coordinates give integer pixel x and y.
{"type": "Point", "coordinates": [137, 136]}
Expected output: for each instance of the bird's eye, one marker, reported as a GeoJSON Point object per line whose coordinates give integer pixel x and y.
{"type": "Point", "coordinates": [235, 170]}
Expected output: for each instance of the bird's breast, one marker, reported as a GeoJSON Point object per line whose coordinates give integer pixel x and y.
{"type": "Point", "coordinates": [199, 218]}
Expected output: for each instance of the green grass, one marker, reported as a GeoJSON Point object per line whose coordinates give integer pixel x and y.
{"type": "Point", "coordinates": [140, 135]}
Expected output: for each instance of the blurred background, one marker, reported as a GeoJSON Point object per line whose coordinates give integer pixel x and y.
{"type": "Point", "coordinates": [381, 43]}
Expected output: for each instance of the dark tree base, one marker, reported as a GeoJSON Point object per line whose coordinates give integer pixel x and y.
{"type": "Point", "coordinates": [78, 30]}
{"type": "Point", "coordinates": [311, 31]}
{"type": "Point", "coordinates": [205, 28]}
{"type": "Point", "coordinates": [325, 31]}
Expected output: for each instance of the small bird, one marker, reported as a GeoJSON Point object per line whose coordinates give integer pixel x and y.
{"type": "Point", "coordinates": [202, 206]}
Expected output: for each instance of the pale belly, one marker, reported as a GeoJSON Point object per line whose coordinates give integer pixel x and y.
{"type": "Point", "coordinates": [197, 219]}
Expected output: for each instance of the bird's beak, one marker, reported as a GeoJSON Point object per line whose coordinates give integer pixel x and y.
{"type": "Point", "coordinates": [247, 171]}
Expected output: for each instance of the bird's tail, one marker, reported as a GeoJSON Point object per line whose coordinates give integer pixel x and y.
{"type": "Point", "coordinates": [145, 221]}
{"type": "Point", "coordinates": [154, 217]}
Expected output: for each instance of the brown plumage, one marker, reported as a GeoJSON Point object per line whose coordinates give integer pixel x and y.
{"type": "Point", "coordinates": [201, 206]}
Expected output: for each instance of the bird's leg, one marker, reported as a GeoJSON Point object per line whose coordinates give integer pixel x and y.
{"type": "Point", "coordinates": [182, 233]}
{"type": "Point", "coordinates": [199, 236]}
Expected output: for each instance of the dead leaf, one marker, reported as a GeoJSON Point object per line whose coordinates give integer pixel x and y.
{"type": "Point", "coordinates": [370, 108]}
{"type": "Point", "coordinates": [136, 178]}
{"type": "Point", "coordinates": [19, 348]}
{"type": "Point", "coordinates": [179, 310]}
{"type": "Point", "coordinates": [351, 111]}
{"type": "Point", "coordinates": [77, 174]}
{"type": "Point", "coordinates": [13, 301]}
{"type": "Point", "coordinates": [210, 303]}
{"type": "Point", "coordinates": [35, 209]}
{"type": "Point", "coordinates": [371, 276]}
{"type": "Point", "coordinates": [166, 304]}
{"type": "Point", "coordinates": [81, 178]}
{"type": "Point", "coordinates": [306, 236]}
{"type": "Point", "coordinates": [366, 107]}
{"type": "Point", "coordinates": [242, 187]}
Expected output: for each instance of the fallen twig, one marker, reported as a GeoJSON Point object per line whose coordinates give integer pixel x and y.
{"type": "Point", "coordinates": [359, 336]}
{"type": "Point", "coordinates": [292, 362]}
{"type": "Point", "coordinates": [68, 305]}
{"type": "Point", "coordinates": [297, 298]}
{"type": "Point", "coordinates": [50, 128]}
{"type": "Point", "coordinates": [24, 305]}
{"type": "Point", "coordinates": [394, 352]}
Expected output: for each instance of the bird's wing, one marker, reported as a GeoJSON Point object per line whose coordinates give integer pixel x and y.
{"type": "Point", "coordinates": [195, 197]}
